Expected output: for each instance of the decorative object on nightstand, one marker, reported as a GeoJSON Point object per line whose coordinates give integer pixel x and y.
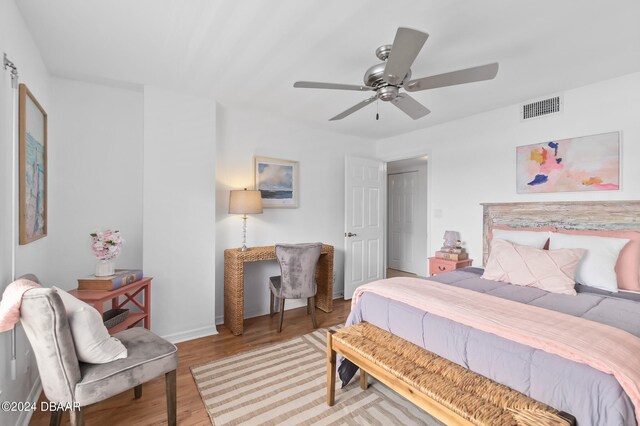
{"type": "Point", "coordinates": [245, 202]}
{"type": "Point", "coordinates": [121, 277]}
{"type": "Point", "coordinates": [439, 266]}
{"type": "Point", "coordinates": [451, 239]}
{"type": "Point", "coordinates": [452, 247]}
{"type": "Point", "coordinates": [451, 255]}
{"type": "Point", "coordinates": [106, 246]}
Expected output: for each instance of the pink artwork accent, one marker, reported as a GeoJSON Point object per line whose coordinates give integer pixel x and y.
{"type": "Point", "coordinates": [588, 163]}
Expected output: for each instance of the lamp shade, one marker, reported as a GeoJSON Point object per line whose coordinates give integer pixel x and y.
{"type": "Point", "coordinates": [245, 202]}
{"type": "Point", "coordinates": [450, 238]}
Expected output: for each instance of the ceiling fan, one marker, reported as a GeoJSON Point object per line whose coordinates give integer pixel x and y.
{"type": "Point", "coordinates": [387, 78]}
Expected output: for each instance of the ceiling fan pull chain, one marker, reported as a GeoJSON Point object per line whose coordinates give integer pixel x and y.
{"type": "Point", "coordinates": [377, 109]}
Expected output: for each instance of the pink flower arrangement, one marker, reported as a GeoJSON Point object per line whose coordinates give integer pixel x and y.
{"type": "Point", "coordinates": [106, 245]}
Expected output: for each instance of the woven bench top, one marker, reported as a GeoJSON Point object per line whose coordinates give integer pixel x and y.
{"type": "Point", "coordinates": [472, 396]}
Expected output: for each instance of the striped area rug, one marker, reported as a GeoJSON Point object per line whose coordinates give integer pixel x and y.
{"type": "Point", "coordinates": [285, 384]}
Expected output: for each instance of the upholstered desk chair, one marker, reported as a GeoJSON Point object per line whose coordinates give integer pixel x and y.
{"type": "Point", "coordinates": [298, 277]}
{"type": "Point", "coordinates": [65, 380]}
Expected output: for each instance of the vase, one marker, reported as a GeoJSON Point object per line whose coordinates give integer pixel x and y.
{"type": "Point", "coordinates": [105, 268]}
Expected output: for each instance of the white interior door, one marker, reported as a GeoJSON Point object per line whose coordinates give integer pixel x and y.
{"type": "Point", "coordinates": [364, 229]}
{"type": "Point", "coordinates": [403, 207]}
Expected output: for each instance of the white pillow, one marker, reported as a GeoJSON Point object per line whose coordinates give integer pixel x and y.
{"type": "Point", "coordinates": [91, 338]}
{"type": "Point", "coordinates": [523, 238]}
{"type": "Point", "coordinates": [597, 268]}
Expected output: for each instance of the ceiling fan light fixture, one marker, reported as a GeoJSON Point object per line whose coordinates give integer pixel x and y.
{"type": "Point", "coordinates": [398, 58]}
{"type": "Point", "coordinates": [383, 51]}
{"type": "Point", "coordinates": [387, 93]}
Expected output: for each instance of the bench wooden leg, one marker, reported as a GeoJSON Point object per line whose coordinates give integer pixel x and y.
{"type": "Point", "coordinates": [364, 379]}
{"type": "Point", "coordinates": [331, 371]}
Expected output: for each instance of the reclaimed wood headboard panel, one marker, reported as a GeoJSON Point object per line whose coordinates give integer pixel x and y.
{"type": "Point", "coordinates": [592, 215]}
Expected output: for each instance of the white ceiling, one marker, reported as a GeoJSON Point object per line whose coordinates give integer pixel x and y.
{"type": "Point", "coordinates": [248, 53]}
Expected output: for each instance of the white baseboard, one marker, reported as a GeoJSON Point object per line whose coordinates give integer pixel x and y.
{"type": "Point", "coordinates": [34, 395]}
{"type": "Point", "coordinates": [196, 333]}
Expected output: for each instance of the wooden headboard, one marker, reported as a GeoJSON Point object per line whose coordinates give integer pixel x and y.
{"type": "Point", "coordinates": [591, 215]}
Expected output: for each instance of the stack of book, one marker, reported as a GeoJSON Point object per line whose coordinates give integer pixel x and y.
{"type": "Point", "coordinates": [121, 278]}
{"type": "Point", "coordinates": [452, 253]}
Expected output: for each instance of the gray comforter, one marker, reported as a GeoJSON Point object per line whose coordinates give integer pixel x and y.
{"type": "Point", "coordinates": [593, 397]}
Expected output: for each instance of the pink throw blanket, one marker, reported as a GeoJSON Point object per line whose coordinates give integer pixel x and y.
{"type": "Point", "coordinates": [605, 348]}
{"type": "Point", "coordinates": [11, 301]}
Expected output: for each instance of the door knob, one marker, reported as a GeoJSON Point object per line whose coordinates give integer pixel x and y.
{"type": "Point", "coordinates": [350, 234]}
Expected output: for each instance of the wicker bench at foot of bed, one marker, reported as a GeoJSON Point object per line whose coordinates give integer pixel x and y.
{"type": "Point", "coordinates": [447, 391]}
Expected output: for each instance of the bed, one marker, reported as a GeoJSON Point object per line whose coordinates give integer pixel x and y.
{"type": "Point", "coordinates": [593, 397]}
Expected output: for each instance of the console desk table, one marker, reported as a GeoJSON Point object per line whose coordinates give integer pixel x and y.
{"type": "Point", "coordinates": [234, 261]}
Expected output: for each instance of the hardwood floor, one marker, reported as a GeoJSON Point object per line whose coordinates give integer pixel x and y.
{"type": "Point", "coordinates": [122, 409]}
{"type": "Point", "coordinates": [392, 273]}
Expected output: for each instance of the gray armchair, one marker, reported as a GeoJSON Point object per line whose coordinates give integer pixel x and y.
{"type": "Point", "coordinates": [298, 277]}
{"type": "Point", "coordinates": [65, 380]}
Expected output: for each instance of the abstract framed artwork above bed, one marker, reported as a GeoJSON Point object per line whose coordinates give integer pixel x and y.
{"type": "Point", "coordinates": [560, 215]}
{"type": "Point", "coordinates": [588, 163]}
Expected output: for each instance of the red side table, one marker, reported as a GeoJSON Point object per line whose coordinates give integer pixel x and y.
{"type": "Point", "coordinates": [129, 292]}
{"type": "Point", "coordinates": [440, 266]}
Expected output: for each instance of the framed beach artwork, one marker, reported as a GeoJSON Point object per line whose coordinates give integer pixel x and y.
{"type": "Point", "coordinates": [277, 181]}
{"type": "Point", "coordinates": [588, 163]}
{"type": "Point", "coordinates": [32, 168]}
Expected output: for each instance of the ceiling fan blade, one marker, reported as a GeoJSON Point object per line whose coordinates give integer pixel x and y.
{"type": "Point", "coordinates": [410, 106]}
{"type": "Point", "coordinates": [404, 51]}
{"type": "Point", "coordinates": [354, 108]}
{"type": "Point", "coordinates": [469, 75]}
{"type": "Point", "coordinates": [337, 86]}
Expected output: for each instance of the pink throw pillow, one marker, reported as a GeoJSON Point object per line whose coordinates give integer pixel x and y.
{"type": "Point", "coordinates": [549, 270]}
{"type": "Point", "coordinates": [628, 265]}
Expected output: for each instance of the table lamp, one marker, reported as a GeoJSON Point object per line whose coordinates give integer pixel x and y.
{"type": "Point", "coordinates": [451, 239]}
{"type": "Point", "coordinates": [245, 202]}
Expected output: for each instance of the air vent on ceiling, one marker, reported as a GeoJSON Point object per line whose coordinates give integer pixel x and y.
{"type": "Point", "coordinates": [541, 107]}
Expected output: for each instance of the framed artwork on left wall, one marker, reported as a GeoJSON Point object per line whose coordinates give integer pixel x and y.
{"type": "Point", "coordinates": [277, 181]}
{"type": "Point", "coordinates": [32, 168]}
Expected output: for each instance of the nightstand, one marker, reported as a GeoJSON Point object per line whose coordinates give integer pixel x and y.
{"type": "Point", "coordinates": [440, 266]}
{"type": "Point", "coordinates": [98, 298]}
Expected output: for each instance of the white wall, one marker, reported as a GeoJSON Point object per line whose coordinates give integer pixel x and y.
{"type": "Point", "coordinates": [320, 216]}
{"type": "Point", "coordinates": [16, 41]}
{"type": "Point", "coordinates": [179, 212]}
{"type": "Point", "coordinates": [472, 160]}
{"type": "Point", "coordinates": [97, 179]}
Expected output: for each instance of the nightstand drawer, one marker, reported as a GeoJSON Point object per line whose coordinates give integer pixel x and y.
{"type": "Point", "coordinates": [440, 266]}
